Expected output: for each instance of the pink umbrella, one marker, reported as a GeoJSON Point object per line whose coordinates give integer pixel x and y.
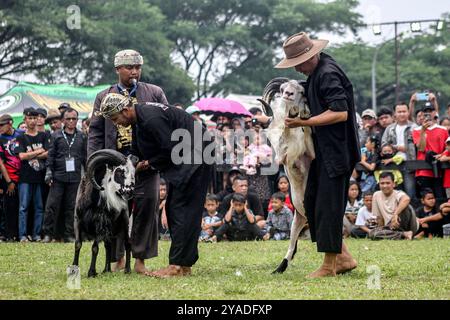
{"type": "Point", "coordinates": [222, 107]}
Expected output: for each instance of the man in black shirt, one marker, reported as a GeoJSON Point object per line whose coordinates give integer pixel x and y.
{"type": "Point", "coordinates": [32, 150]}
{"type": "Point", "coordinates": [336, 144]}
{"type": "Point", "coordinates": [155, 127]}
{"type": "Point", "coordinates": [66, 157]}
{"type": "Point", "coordinates": [240, 185]}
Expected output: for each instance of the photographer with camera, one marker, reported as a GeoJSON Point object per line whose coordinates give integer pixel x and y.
{"type": "Point", "coordinates": [423, 97]}
{"type": "Point", "coordinates": [430, 141]}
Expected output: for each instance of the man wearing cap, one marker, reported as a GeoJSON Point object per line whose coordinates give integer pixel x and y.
{"type": "Point", "coordinates": [154, 125]}
{"type": "Point", "coordinates": [104, 134]}
{"type": "Point", "coordinates": [10, 181]}
{"type": "Point", "coordinates": [369, 126]}
{"type": "Point", "coordinates": [32, 151]}
{"type": "Point", "coordinates": [336, 144]}
{"type": "Point", "coordinates": [430, 141]}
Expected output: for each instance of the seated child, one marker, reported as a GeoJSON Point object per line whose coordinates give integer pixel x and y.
{"type": "Point", "coordinates": [162, 223]}
{"type": "Point", "coordinates": [211, 219]}
{"type": "Point", "coordinates": [283, 186]}
{"type": "Point", "coordinates": [368, 161]}
{"type": "Point", "coordinates": [279, 220]}
{"type": "Point", "coordinates": [239, 222]}
{"type": "Point", "coordinates": [365, 221]}
{"type": "Point", "coordinates": [388, 154]}
{"type": "Point", "coordinates": [430, 220]}
{"type": "Point", "coordinates": [352, 207]}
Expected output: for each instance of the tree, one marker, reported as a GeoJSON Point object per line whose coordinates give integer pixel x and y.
{"type": "Point", "coordinates": [231, 45]}
{"type": "Point", "coordinates": [42, 42]}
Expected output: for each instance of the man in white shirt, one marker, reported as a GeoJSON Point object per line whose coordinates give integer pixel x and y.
{"type": "Point", "coordinates": [399, 134]}
{"type": "Point", "coordinates": [396, 219]}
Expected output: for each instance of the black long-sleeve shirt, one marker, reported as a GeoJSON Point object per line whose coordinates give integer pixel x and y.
{"type": "Point", "coordinates": [59, 152]}
{"type": "Point", "coordinates": [152, 141]}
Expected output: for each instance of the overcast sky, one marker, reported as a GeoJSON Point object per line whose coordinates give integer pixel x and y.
{"type": "Point", "coordinates": [372, 11]}
{"type": "Point", "coordinates": [375, 11]}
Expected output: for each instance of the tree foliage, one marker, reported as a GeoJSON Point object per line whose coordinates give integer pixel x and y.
{"type": "Point", "coordinates": [232, 45]}
{"type": "Point", "coordinates": [36, 37]}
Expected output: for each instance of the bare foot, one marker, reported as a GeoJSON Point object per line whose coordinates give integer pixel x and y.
{"type": "Point", "coordinates": [345, 264]}
{"type": "Point", "coordinates": [119, 265]}
{"type": "Point", "coordinates": [408, 235]}
{"type": "Point", "coordinates": [170, 271]}
{"type": "Point", "coordinates": [322, 272]}
{"type": "Point", "coordinates": [139, 267]}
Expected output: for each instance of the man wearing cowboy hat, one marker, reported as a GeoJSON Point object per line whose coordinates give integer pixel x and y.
{"type": "Point", "coordinates": [104, 134]}
{"type": "Point", "coordinates": [335, 136]}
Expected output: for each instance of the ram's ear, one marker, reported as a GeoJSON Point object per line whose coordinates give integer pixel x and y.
{"type": "Point", "coordinates": [134, 160]}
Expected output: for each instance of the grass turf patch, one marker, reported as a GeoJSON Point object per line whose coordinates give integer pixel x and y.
{"type": "Point", "coordinates": [235, 270]}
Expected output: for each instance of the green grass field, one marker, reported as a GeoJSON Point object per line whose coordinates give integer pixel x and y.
{"type": "Point", "coordinates": [232, 271]}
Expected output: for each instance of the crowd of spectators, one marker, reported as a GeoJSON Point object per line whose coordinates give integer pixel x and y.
{"type": "Point", "coordinates": [41, 169]}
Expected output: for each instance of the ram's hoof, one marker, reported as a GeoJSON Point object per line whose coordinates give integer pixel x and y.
{"type": "Point", "coordinates": [92, 274]}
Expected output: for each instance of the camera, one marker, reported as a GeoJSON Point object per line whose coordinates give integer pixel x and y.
{"type": "Point", "coordinates": [427, 116]}
{"type": "Point", "coordinates": [255, 122]}
{"type": "Point", "coordinates": [423, 96]}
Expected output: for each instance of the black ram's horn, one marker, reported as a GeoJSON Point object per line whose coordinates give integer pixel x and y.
{"type": "Point", "coordinates": [270, 90]}
{"type": "Point", "coordinates": [102, 157]}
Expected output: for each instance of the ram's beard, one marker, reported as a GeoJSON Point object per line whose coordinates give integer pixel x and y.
{"type": "Point", "coordinates": [126, 193]}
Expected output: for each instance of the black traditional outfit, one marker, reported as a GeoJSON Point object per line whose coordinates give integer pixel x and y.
{"type": "Point", "coordinates": [337, 151]}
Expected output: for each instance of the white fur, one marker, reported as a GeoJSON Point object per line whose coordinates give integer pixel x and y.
{"type": "Point", "coordinates": [113, 200]}
{"type": "Point", "coordinates": [294, 149]}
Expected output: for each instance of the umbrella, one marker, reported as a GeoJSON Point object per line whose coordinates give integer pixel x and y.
{"type": "Point", "coordinates": [222, 107]}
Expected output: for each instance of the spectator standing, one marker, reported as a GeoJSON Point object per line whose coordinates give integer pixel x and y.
{"type": "Point", "coordinates": [385, 119]}
{"type": "Point", "coordinates": [369, 126]}
{"type": "Point", "coordinates": [66, 158]}
{"type": "Point", "coordinates": [445, 157]}
{"type": "Point", "coordinates": [396, 218]}
{"type": "Point", "coordinates": [10, 181]}
{"type": "Point", "coordinates": [400, 136]}
{"type": "Point", "coordinates": [365, 220]}
{"type": "Point", "coordinates": [279, 219]}
{"type": "Point", "coordinates": [54, 120]}
{"type": "Point", "coordinates": [32, 151]}
{"type": "Point", "coordinates": [430, 141]}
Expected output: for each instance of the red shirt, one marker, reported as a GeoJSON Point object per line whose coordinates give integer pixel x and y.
{"type": "Point", "coordinates": [435, 141]}
{"type": "Point", "coordinates": [287, 203]}
{"type": "Point", "coordinates": [446, 172]}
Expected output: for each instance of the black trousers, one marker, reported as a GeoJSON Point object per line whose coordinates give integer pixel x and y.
{"type": "Point", "coordinates": [325, 201]}
{"type": "Point", "coordinates": [61, 201]}
{"type": "Point", "coordinates": [233, 234]}
{"type": "Point", "coordinates": [10, 212]}
{"type": "Point", "coordinates": [184, 208]}
{"type": "Point", "coordinates": [144, 230]}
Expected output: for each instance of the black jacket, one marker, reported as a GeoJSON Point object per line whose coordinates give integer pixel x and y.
{"type": "Point", "coordinates": [336, 145]}
{"type": "Point", "coordinates": [103, 132]}
{"type": "Point", "coordinates": [253, 204]}
{"type": "Point", "coordinates": [152, 141]}
{"type": "Point", "coordinates": [59, 151]}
